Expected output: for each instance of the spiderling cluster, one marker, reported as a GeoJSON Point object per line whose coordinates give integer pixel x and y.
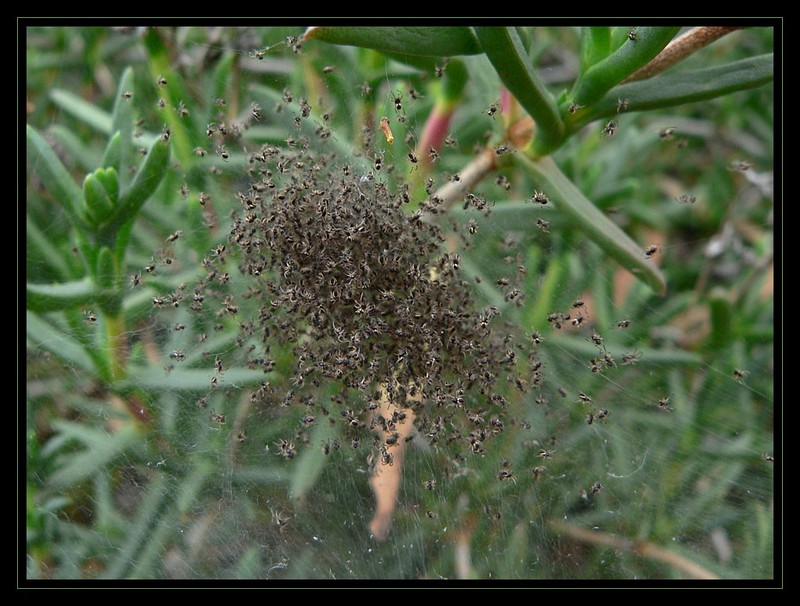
{"type": "Point", "coordinates": [366, 294]}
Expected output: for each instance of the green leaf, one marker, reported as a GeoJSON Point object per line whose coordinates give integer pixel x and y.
{"type": "Point", "coordinates": [85, 157]}
{"type": "Point", "coordinates": [504, 49]}
{"type": "Point", "coordinates": [160, 63]}
{"type": "Point", "coordinates": [98, 203]}
{"type": "Point", "coordinates": [671, 89]}
{"type": "Point", "coordinates": [54, 297]}
{"type": "Point", "coordinates": [144, 185]}
{"type": "Point", "coordinates": [102, 448]}
{"type": "Point", "coordinates": [424, 41]}
{"type": "Point", "coordinates": [111, 157]}
{"type": "Point", "coordinates": [56, 178]}
{"type": "Point", "coordinates": [150, 560]}
{"type": "Point", "coordinates": [56, 341]}
{"type": "Point", "coordinates": [122, 123]}
{"type": "Point", "coordinates": [108, 177]}
{"type": "Point", "coordinates": [648, 357]}
{"type": "Point", "coordinates": [39, 244]}
{"type": "Point", "coordinates": [633, 54]}
{"type": "Point", "coordinates": [423, 64]}
{"type": "Point", "coordinates": [156, 495]}
{"type": "Point", "coordinates": [597, 226]}
{"type": "Point", "coordinates": [595, 46]}
{"type": "Point", "coordinates": [546, 292]}
{"type": "Point", "coordinates": [84, 111]}
{"type": "Point", "coordinates": [453, 82]}
{"type": "Point", "coordinates": [311, 462]}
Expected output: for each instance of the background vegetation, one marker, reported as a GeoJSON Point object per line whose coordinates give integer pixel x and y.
{"type": "Point", "coordinates": [148, 457]}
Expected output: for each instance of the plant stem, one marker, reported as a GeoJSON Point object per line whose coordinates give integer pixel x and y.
{"type": "Point", "coordinates": [116, 344]}
{"type": "Point", "coordinates": [481, 166]}
{"type": "Point", "coordinates": [505, 51]}
{"type": "Point", "coordinates": [643, 548]}
{"type": "Point", "coordinates": [680, 48]}
{"type": "Point", "coordinates": [385, 480]}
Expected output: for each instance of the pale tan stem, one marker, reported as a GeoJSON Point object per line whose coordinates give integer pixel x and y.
{"type": "Point", "coordinates": [645, 549]}
{"type": "Point", "coordinates": [386, 477]}
{"type": "Point", "coordinates": [480, 166]}
{"type": "Point", "coordinates": [680, 48]}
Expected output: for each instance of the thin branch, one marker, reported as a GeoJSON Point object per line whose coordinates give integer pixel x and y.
{"type": "Point", "coordinates": [478, 169]}
{"type": "Point", "coordinates": [680, 48]}
{"type": "Point", "coordinates": [645, 549]}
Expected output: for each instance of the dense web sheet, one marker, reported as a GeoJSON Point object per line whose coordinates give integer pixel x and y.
{"type": "Point", "coordinates": [587, 440]}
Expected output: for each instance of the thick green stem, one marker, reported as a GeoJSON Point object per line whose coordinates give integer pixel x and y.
{"type": "Point", "coordinates": [117, 345]}
{"type": "Point", "coordinates": [638, 49]}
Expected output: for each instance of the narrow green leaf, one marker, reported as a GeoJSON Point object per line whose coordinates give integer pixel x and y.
{"type": "Point", "coordinates": [144, 185]}
{"type": "Point", "coordinates": [39, 245]}
{"type": "Point", "coordinates": [82, 465]}
{"type": "Point", "coordinates": [505, 51]}
{"type": "Point", "coordinates": [122, 123]}
{"type": "Point", "coordinates": [54, 297]}
{"type": "Point", "coordinates": [89, 114]}
{"type": "Point", "coordinates": [222, 76]}
{"type": "Point", "coordinates": [56, 341]}
{"type": "Point", "coordinates": [111, 157]}
{"type": "Point", "coordinates": [121, 239]}
{"type": "Point", "coordinates": [546, 291]}
{"type": "Point", "coordinates": [91, 338]}
{"type": "Point", "coordinates": [85, 157]}
{"type": "Point", "coordinates": [648, 357]}
{"type": "Point", "coordinates": [147, 514]}
{"type": "Point", "coordinates": [149, 561]}
{"type": "Point", "coordinates": [249, 565]}
{"type": "Point", "coordinates": [525, 35]}
{"type": "Point", "coordinates": [108, 177]}
{"type": "Point", "coordinates": [597, 226]}
{"type": "Point", "coordinates": [425, 41]}
{"type": "Point", "coordinates": [56, 178]}
{"type": "Point", "coordinates": [633, 54]}
{"type": "Point", "coordinates": [161, 64]}
{"type": "Point", "coordinates": [311, 462]}
{"type": "Point", "coordinates": [98, 204]}
{"type": "Point", "coordinates": [595, 46]}
{"type": "Point", "coordinates": [671, 89]}
{"type": "Point", "coordinates": [485, 287]}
